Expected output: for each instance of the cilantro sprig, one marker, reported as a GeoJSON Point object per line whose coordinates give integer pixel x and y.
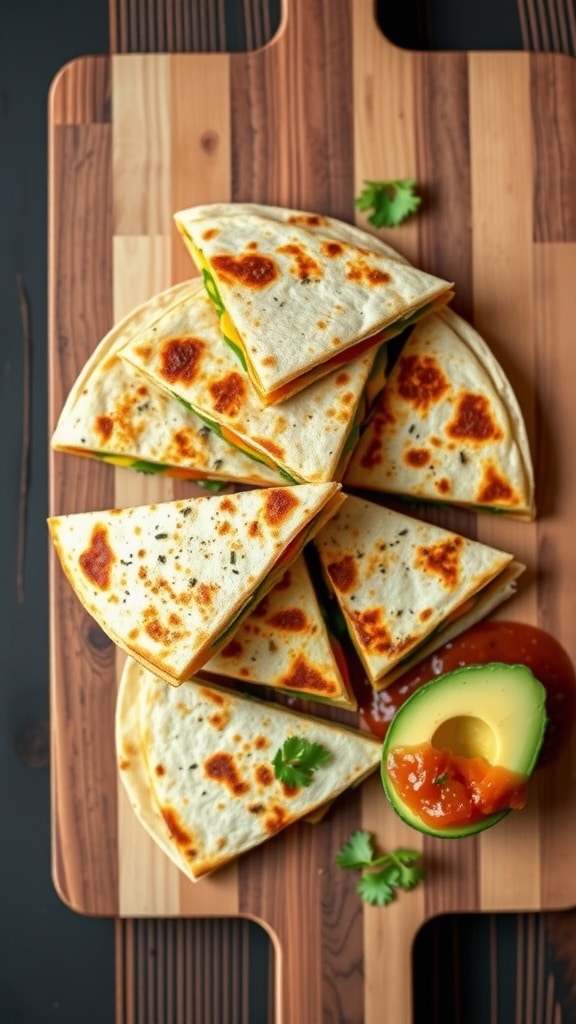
{"type": "Point", "coordinates": [391, 202]}
{"type": "Point", "coordinates": [297, 759]}
{"type": "Point", "coordinates": [396, 870]}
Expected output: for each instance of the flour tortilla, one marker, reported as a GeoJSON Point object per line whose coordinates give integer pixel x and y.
{"type": "Point", "coordinates": [315, 223]}
{"type": "Point", "coordinates": [168, 581]}
{"type": "Point", "coordinates": [284, 643]}
{"type": "Point", "coordinates": [296, 303]}
{"type": "Point", "coordinates": [306, 438]}
{"type": "Point", "coordinates": [447, 426]}
{"type": "Point", "coordinates": [114, 413]}
{"type": "Point", "coordinates": [196, 763]}
{"type": "Point", "coordinates": [405, 586]}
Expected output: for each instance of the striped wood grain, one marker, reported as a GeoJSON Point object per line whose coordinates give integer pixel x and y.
{"type": "Point", "coordinates": [129, 152]}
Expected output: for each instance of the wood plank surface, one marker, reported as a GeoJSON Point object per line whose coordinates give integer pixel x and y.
{"type": "Point", "coordinates": [329, 102]}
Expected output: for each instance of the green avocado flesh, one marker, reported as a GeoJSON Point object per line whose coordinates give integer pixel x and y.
{"type": "Point", "coordinates": [495, 711]}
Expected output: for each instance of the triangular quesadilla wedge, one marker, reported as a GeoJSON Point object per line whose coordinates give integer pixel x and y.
{"type": "Point", "coordinates": [115, 414]}
{"type": "Point", "coordinates": [307, 438]}
{"type": "Point", "coordinates": [198, 767]}
{"type": "Point", "coordinates": [447, 427]}
{"type": "Point", "coordinates": [295, 304]}
{"type": "Point", "coordinates": [284, 643]}
{"type": "Point", "coordinates": [169, 582]}
{"type": "Point", "coordinates": [405, 586]}
{"type": "Point", "coordinates": [316, 223]}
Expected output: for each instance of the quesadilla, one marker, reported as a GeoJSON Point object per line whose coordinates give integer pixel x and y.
{"type": "Point", "coordinates": [115, 414]}
{"type": "Point", "coordinates": [405, 586]}
{"type": "Point", "coordinates": [447, 426]}
{"type": "Point", "coordinates": [284, 643]}
{"type": "Point", "coordinates": [294, 303]}
{"type": "Point", "coordinates": [169, 582]}
{"type": "Point", "coordinates": [308, 438]}
{"type": "Point", "coordinates": [198, 767]}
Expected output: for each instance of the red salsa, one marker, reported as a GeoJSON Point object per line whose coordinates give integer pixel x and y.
{"type": "Point", "coordinates": [443, 789]}
{"type": "Point", "coordinates": [512, 643]}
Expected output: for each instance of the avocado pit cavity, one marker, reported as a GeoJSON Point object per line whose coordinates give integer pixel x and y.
{"type": "Point", "coordinates": [467, 736]}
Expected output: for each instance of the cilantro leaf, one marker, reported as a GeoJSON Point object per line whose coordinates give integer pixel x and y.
{"type": "Point", "coordinates": [375, 888]}
{"type": "Point", "coordinates": [357, 852]}
{"type": "Point", "coordinates": [396, 870]}
{"type": "Point", "coordinates": [391, 202]}
{"type": "Point", "coordinates": [297, 760]}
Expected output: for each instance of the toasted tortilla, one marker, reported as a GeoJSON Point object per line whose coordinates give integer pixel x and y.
{"type": "Point", "coordinates": [167, 582]}
{"type": "Point", "coordinates": [284, 643]}
{"type": "Point", "coordinates": [447, 426]}
{"type": "Point", "coordinates": [307, 438]}
{"type": "Point", "coordinates": [197, 767]}
{"type": "Point", "coordinates": [405, 586]}
{"type": "Point", "coordinates": [295, 303]}
{"type": "Point", "coordinates": [114, 413]}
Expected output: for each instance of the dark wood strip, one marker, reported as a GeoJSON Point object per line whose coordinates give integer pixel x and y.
{"type": "Point", "coordinates": [80, 312]}
{"type": "Point", "coordinates": [185, 971]}
{"type": "Point", "coordinates": [295, 885]}
{"type": "Point", "coordinates": [82, 94]}
{"type": "Point", "coordinates": [291, 156]}
{"type": "Point", "coordinates": [186, 26]}
{"type": "Point", "coordinates": [548, 26]}
{"type": "Point", "coordinates": [553, 86]}
{"type": "Point", "coordinates": [444, 158]}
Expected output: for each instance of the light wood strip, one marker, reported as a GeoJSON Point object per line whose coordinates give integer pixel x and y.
{"type": "Point", "coordinates": [148, 880]}
{"type": "Point", "coordinates": [142, 148]}
{"type": "Point", "coordinates": [141, 269]}
{"type": "Point", "coordinates": [503, 312]}
{"type": "Point", "coordinates": [201, 141]}
{"type": "Point", "coordinates": [388, 936]}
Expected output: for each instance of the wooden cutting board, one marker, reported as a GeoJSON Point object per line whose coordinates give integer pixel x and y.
{"type": "Point", "coordinates": [492, 139]}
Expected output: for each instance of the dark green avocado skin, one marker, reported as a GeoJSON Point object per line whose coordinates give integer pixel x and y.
{"type": "Point", "coordinates": [528, 695]}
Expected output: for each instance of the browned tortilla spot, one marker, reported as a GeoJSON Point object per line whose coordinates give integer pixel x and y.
{"type": "Point", "coordinates": [180, 359]}
{"type": "Point", "coordinates": [221, 767]}
{"type": "Point", "coordinates": [344, 574]}
{"type": "Point", "coordinates": [229, 394]}
{"type": "Point", "coordinates": [421, 382]}
{"type": "Point", "coordinates": [473, 420]}
{"type": "Point", "coordinates": [97, 561]}
{"type": "Point", "coordinates": [442, 559]}
{"type": "Point", "coordinates": [250, 269]}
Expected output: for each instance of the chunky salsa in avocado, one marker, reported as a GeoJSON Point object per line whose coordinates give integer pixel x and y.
{"type": "Point", "coordinates": [445, 789]}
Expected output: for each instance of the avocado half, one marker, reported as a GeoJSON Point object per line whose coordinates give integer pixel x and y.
{"type": "Point", "coordinates": [494, 711]}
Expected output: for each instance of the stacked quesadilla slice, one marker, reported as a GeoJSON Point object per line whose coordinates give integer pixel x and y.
{"type": "Point", "coordinates": [116, 414]}
{"type": "Point", "coordinates": [405, 586]}
{"type": "Point", "coordinates": [447, 426]}
{"type": "Point", "coordinates": [285, 643]}
{"type": "Point", "coordinates": [268, 371]}
{"type": "Point", "coordinates": [308, 437]}
{"type": "Point", "coordinates": [169, 582]}
{"type": "Point", "coordinates": [198, 765]}
{"type": "Point", "coordinates": [294, 302]}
